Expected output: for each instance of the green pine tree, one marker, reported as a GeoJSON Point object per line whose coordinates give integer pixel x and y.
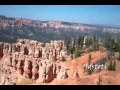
{"type": "Point", "coordinates": [119, 58]}
{"type": "Point", "coordinates": [114, 66]}
{"type": "Point", "coordinates": [110, 67]}
{"type": "Point", "coordinates": [89, 59]}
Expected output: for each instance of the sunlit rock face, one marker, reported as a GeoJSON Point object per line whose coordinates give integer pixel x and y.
{"type": "Point", "coordinates": [33, 60]}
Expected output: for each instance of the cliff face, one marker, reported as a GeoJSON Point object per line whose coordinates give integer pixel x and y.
{"type": "Point", "coordinates": [33, 60]}
{"type": "Point", "coordinates": [13, 29]}
{"type": "Point", "coordinates": [55, 24]}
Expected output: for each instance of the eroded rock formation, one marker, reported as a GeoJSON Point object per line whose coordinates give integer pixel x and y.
{"type": "Point", "coordinates": [33, 60]}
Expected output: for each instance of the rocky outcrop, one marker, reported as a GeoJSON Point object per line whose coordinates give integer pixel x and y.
{"type": "Point", "coordinates": [33, 60]}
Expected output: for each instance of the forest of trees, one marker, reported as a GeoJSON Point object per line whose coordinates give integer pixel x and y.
{"type": "Point", "coordinates": [74, 45]}
{"type": "Point", "coordinates": [79, 44]}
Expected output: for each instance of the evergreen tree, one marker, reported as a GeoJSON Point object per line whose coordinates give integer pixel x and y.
{"type": "Point", "coordinates": [114, 65]}
{"type": "Point", "coordinates": [117, 45]}
{"type": "Point", "coordinates": [68, 45]}
{"type": "Point", "coordinates": [89, 59]}
{"type": "Point", "coordinates": [110, 42]}
{"type": "Point", "coordinates": [79, 41]}
{"type": "Point", "coordinates": [67, 42]}
{"type": "Point", "coordinates": [78, 47]}
{"type": "Point", "coordinates": [82, 40]}
{"type": "Point", "coordinates": [106, 42]}
{"type": "Point", "coordinates": [95, 42]}
{"type": "Point", "coordinates": [77, 52]}
{"type": "Point", "coordinates": [119, 58]}
{"type": "Point", "coordinates": [110, 67]}
{"type": "Point", "coordinates": [110, 53]}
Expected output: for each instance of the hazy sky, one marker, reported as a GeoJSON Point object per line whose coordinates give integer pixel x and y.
{"type": "Point", "coordinates": [90, 14]}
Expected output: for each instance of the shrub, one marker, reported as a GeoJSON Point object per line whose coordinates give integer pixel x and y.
{"type": "Point", "coordinates": [63, 59]}
{"type": "Point", "coordinates": [101, 61]}
{"type": "Point", "coordinates": [77, 54]}
{"type": "Point", "coordinates": [112, 66]}
{"type": "Point", "coordinates": [88, 71]}
{"type": "Point", "coordinates": [90, 50]}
